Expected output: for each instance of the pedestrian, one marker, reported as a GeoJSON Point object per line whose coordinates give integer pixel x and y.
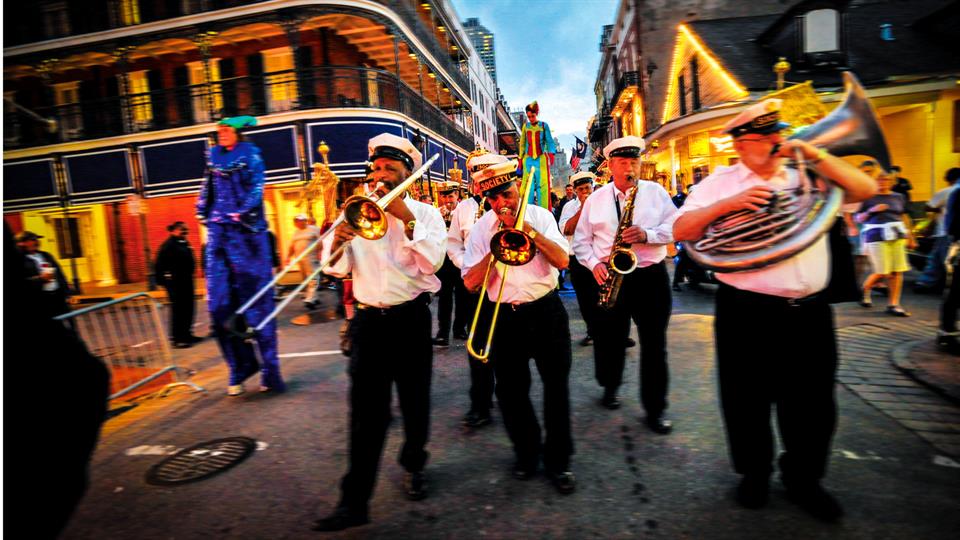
{"type": "Point", "coordinates": [448, 274]}
{"type": "Point", "coordinates": [44, 275]}
{"type": "Point", "coordinates": [901, 185]}
{"type": "Point", "coordinates": [644, 295]}
{"type": "Point", "coordinates": [304, 235]}
{"type": "Point", "coordinates": [393, 278]}
{"type": "Point", "coordinates": [887, 234]}
{"type": "Point", "coordinates": [680, 197]}
{"type": "Point", "coordinates": [775, 338]}
{"type": "Point", "coordinates": [467, 213]}
{"type": "Point", "coordinates": [534, 326]}
{"type": "Point", "coordinates": [934, 274]}
{"type": "Point", "coordinates": [569, 195]}
{"type": "Point", "coordinates": [238, 254]}
{"type": "Point", "coordinates": [948, 338]}
{"type": "Point", "coordinates": [174, 268]}
{"type": "Point", "coordinates": [581, 277]}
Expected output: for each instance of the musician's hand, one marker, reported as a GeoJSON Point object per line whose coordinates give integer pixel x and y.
{"type": "Point", "coordinates": [344, 233]}
{"type": "Point", "coordinates": [788, 149]}
{"type": "Point", "coordinates": [634, 235]}
{"type": "Point", "coordinates": [600, 273]}
{"type": "Point", "coordinates": [507, 217]}
{"type": "Point", "coordinates": [749, 199]}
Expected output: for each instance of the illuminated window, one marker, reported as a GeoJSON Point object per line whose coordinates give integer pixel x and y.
{"type": "Point", "coordinates": [821, 31]}
{"type": "Point", "coordinates": [281, 80]}
{"type": "Point", "coordinates": [139, 92]}
{"type": "Point", "coordinates": [125, 12]}
{"type": "Point", "coordinates": [56, 19]}
{"type": "Point", "coordinates": [67, 98]}
{"type": "Point", "coordinates": [199, 90]}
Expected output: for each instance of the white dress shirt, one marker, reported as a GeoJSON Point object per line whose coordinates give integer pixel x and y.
{"type": "Point", "coordinates": [395, 269]}
{"type": "Point", "coordinates": [803, 274]}
{"type": "Point", "coordinates": [461, 221]}
{"type": "Point", "coordinates": [526, 283]}
{"type": "Point", "coordinates": [569, 210]}
{"type": "Point", "coordinates": [654, 212]}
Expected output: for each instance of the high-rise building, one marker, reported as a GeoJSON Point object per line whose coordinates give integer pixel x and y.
{"type": "Point", "coordinates": [483, 42]}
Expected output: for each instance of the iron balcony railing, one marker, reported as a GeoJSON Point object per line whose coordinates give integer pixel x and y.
{"type": "Point", "coordinates": [315, 88]}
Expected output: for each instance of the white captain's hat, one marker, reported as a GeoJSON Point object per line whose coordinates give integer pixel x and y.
{"type": "Point", "coordinates": [630, 146]}
{"type": "Point", "coordinates": [762, 117]}
{"type": "Point", "coordinates": [388, 145]}
{"type": "Point", "coordinates": [581, 178]}
{"type": "Point", "coordinates": [495, 177]}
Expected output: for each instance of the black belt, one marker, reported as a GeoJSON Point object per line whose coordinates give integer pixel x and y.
{"type": "Point", "coordinates": [819, 297]}
{"type": "Point", "coordinates": [422, 299]}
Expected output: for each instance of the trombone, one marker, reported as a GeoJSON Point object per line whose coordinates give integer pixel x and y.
{"type": "Point", "coordinates": [509, 247]}
{"type": "Point", "coordinates": [365, 214]}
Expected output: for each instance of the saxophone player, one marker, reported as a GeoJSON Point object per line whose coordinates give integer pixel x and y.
{"type": "Point", "coordinates": [759, 311]}
{"type": "Point", "coordinates": [644, 294]}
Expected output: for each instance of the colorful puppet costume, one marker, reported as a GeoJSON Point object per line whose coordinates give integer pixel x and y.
{"type": "Point", "coordinates": [536, 142]}
{"type": "Point", "coordinates": [238, 259]}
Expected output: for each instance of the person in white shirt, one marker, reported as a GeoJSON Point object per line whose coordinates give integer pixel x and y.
{"type": "Point", "coordinates": [581, 277]}
{"type": "Point", "coordinates": [449, 274]}
{"type": "Point", "coordinates": [393, 278]}
{"type": "Point", "coordinates": [304, 235]}
{"type": "Point", "coordinates": [645, 293]}
{"type": "Point", "coordinates": [774, 333]}
{"type": "Point", "coordinates": [461, 222]}
{"type": "Point", "coordinates": [934, 275]}
{"type": "Point", "coordinates": [532, 324]}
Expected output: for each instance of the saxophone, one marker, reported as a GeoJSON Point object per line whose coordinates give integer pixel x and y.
{"type": "Point", "coordinates": [622, 260]}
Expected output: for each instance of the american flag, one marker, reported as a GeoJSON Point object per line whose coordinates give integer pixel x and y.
{"type": "Point", "coordinates": [578, 153]}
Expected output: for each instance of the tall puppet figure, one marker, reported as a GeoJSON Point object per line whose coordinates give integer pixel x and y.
{"type": "Point", "coordinates": [536, 150]}
{"type": "Point", "coordinates": [238, 260]}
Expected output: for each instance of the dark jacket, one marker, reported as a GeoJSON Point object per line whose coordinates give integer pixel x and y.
{"type": "Point", "coordinates": [32, 272]}
{"type": "Point", "coordinates": [175, 262]}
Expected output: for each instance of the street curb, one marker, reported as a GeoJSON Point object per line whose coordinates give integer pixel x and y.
{"type": "Point", "coordinates": [900, 358]}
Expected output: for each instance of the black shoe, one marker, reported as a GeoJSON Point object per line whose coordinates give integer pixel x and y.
{"type": "Point", "coordinates": [523, 472]}
{"type": "Point", "coordinates": [440, 341]}
{"type": "Point", "coordinates": [753, 491]}
{"type": "Point", "coordinates": [811, 497]}
{"type": "Point", "coordinates": [341, 518]}
{"type": "Point", "coordinates": [564, 481]}
{"type": "Point", "coordinates": [415, 485]}
{"type": "Point", "coordinates": [658, 425]}
{"type": "Point", "coordinates": [631, 342]}
{"type": "Point", "coordinates": [587, 341]}
{"type": "Point", "coordinates": [949, 344]}
{"type": "Point", "coordinates": [476, 420]}
{"type": "Point", "coordinates": [460, 334]}
{"type": "Point", "coordinates": [310, 305]}
{"type": "Point", "coordinates": [610, 399]}
{"type": "Point", "coordinates": [194, 339]}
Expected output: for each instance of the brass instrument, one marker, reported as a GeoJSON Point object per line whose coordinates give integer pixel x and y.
{"type": "Point", "coordinates": [795, 218]}
{"type": "Point", "coordinates": [622, 259]}
{"type": "Point", "coordinates": [366, 215]}
{"type": "Point", "coordinates": [509, 247]}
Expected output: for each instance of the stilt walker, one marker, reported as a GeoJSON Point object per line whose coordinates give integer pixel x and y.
{"type": "Point", "coordinates": [536, 150]}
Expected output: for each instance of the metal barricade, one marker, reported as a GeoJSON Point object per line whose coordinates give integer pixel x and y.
{"type": "Point", "coordinates": [128, 335]}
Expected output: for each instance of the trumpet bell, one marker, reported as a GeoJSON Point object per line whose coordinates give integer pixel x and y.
{"type": "Point", "coordinates": [512, 247]}
{"type": "Point", "coordinates": [364, 215]}
{"type": "Point", "coordinates": [623, 261]}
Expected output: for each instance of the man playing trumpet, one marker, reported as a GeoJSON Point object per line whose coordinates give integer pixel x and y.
{"type": "Point", "coordinates": [774, 330]}
{"type": "Point", "coordinates": [532, 324]}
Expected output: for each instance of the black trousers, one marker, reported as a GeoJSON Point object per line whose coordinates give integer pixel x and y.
{"type": "Point", "coordinates": [448, 275]}
{"type": "Point", "coordinates": [645, 299]}
{"type": "Point", "coordinates": [465, 303]}
{"type": "Point", "coordinates": [539, 330]}
{"type": "Point", "coordinates": [182, 309]}
{"type": "Point", "coordinates": [948, 310]}
{"type": "Point", "coordinates": [482, 376]}
{"type": "Point", "coordinates": [772, 353]}
{"type": "Point", "coordinates": [586, 289]}
{"type": "Point", "coordinates": [391, 346]}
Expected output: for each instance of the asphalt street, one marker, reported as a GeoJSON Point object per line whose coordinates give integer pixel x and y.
{"type": "Point", "coordinates": [892, 481]}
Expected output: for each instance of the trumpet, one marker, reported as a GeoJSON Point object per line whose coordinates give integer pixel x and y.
{"type": "Point", "coordinates": [509, 247]}
{"type": "Point", "coordinates": [365, 214]}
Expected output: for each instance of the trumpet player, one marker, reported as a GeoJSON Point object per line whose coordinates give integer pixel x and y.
{"type": "Point", "coordinates": [644, 295]}
{"type": "Point", "coordinates": [532, 324]}
{"type": "Point", "coordinates": [774, 329]}
{"type": "Point", "coordinates": [393, 278]}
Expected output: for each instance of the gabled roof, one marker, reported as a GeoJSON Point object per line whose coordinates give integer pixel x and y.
{"type": "Point", "coordinates": [749, 46]}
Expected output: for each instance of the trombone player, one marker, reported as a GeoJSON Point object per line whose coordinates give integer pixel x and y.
{"type": "Point", "coordinates": [532, 324]}
{"type": "Point", "coordinates": [393, 278]}
{"type": "Point", "coordinates": [774, 327]}
{"type": "Point", "coordinates": [645, 293]}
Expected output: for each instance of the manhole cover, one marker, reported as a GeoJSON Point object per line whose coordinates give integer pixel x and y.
{"type": "Point", "coordinates": [201, 461]}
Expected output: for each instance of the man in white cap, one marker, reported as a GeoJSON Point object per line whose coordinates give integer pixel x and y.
{"type": "Point", "coordinates": [461, 222]}
{"type": "Point", "coordinates": [393, 278]}
{"type": "Point", "coordinates": [774, 329]}
{"type": "Point", "coordinates": [532, 323]}
{"type": "Point", "coordinates": [645, 293]}
{"type": "Point", "coordinates": [581, 277]}
{"type": "Point", "coordinates": [304, 235]}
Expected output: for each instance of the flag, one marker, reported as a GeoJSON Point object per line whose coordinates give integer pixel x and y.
{"type": "Point", "coordinates": [578, 153]}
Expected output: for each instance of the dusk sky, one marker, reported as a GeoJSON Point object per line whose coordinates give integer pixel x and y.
{"type": "Point", "coordinates": [547, 51]}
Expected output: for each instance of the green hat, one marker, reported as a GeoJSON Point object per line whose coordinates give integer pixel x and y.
{"type": "Point", "coordinates": [238, 122]}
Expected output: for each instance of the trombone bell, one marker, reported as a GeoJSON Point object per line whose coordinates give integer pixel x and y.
{"type": "Point", "coordinates": [512, 247]}
{"type": "Point", "coordinates": [364, 215]}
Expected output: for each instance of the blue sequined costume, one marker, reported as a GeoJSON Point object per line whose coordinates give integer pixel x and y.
{"type": "Point", "coordinates": [238, 259]}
